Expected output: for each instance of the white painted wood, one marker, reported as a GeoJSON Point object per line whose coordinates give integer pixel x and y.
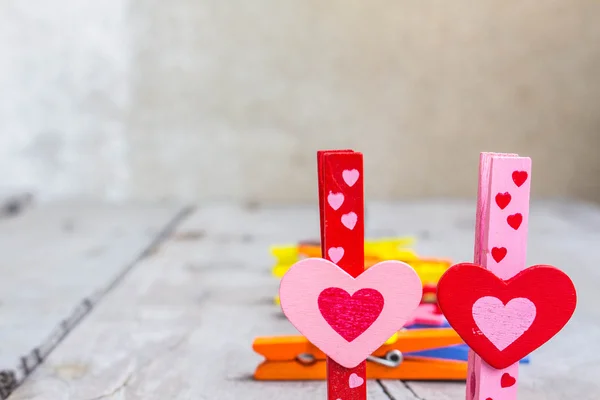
{"type": "Point", "coordinates": [180, 325]}
{"type": "Point", "coordinates": [56, 255]}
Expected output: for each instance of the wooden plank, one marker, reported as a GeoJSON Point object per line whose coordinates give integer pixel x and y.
{"type": "Point", "coordinates": [181, 324]}
{"type": "Point", "coordinates": [56, 261]}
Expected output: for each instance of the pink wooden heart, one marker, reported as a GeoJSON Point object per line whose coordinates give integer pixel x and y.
{"type": "Point", "coordinates": [349, 318]}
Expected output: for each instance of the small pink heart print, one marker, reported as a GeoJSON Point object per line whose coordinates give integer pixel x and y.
{"type": "Point", "coordinates": [355, 381]}
{"type": "Point", "coordinates": [349, 220]}
{"type": "Point", "coordinates": [503, 324]}
{"type": "Point", "coordinates": [335, 200]}
{"type": "Point", "coordinates": [350, 176]}
{"type": "Point", "coordinates": [335, 253]}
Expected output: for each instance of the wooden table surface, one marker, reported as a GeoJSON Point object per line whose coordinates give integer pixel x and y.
{"type": "Point", "coordinates": [163, 302]}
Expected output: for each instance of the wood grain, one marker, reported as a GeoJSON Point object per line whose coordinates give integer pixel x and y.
{"type": "Point", "coordinates": [56, 260]}
{"type": "Point", "coordinates": [181, 324]}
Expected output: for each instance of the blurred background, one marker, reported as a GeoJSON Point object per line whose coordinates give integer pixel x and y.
{"type": "Point", "coordinates": [147, 100]}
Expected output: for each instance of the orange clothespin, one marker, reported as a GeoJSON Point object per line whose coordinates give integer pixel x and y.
{"type": "Point", "coordinates": [295, 358]}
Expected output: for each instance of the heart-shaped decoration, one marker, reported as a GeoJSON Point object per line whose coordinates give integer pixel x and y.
{"type": "Point", "coordinates": [350, 176]}
{"type": "Point", "coordinates": [335, 200]}
{"type": "Point", "coordinates": [519, 177]}
{"type": "Point", "coordinates": [503, 199]}
{"type": "Point", "coordinates": [349, 318]}
{"type": "Point", "coordinates": [349, 220]}
{"type": "Point", "coordinates": [507, 380]}
{"type": "Point", "coordinates": [504, 321]}
{"type": "Point", "coordinates": [498, 253]}
{"type": "Point", "coordinates": [336, 304]}
{"type": "Point", "coordinates": [515, 220]}
{"type": "Point", "coordinates": [335, 253]}
{"type": "Point", "coordinates": [355, 381]}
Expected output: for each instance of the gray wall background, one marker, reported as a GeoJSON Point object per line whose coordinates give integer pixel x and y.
{"type": "Point", "coordinates": [213, 99]}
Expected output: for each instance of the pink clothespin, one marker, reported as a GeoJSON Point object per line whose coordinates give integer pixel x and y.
{"type": "Point", "coordinates": [500, 308]}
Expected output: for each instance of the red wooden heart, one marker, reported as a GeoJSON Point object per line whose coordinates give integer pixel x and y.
{"type": "Point", "coordinates": [503, 199]}
{"type": "Point", "coordinates": [548, 288]}
{"type": "Point", "coordinates": [349, 315]}
{"type": "Point", "coordinates": [519, 177]}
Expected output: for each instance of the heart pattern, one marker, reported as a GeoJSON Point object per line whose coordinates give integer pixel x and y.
{"type": "Point", "coordinates": [498, 253]}
{"type": "Point", "coordinates": [335, 254]}
{"type": "Point", "coordinates": [341, 206]}
{"type": "Point", "coordinates": [348, 318]}
{"type": "Point", "coordinates": [519, 177]}
{"type": "Point", "coordinates": [350, 176]}
{"type": "Point", "coordinates": [335, 200]}
{"type": "Point", "coordinates": [507, 380]}
{"type": "Point", "coordinates": [503, 200]}
{"type": "Point", "coordinates": [337, 307]}
{"type": "Point", "coordinates": [495, 318]}
{"type": "Point", "coordinates": [349, 220]}
{"type": "Point", "coordinates": [515, 220]}
{"type": "Point", "coordinates": [503, 324]}
{"type": "Point", "coordinates": [355, 381]}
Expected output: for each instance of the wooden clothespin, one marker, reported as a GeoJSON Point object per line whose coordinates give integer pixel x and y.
{"type": "Point", "coordinates": [295, 358]}
{"type": "Point", "coordinates": [500, 308]}
{"type": "Point", "coordinates": [340, 308]}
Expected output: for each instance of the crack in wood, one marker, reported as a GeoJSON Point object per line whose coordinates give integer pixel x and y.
{"type": "Point", "coordinates": [414, 393]}
{"type": "Point", "coordinates": [9, 379]}
{"type": "Point", "coordinates": [135, 371]}
{"type": "Point", "coordinates": [385, 390]}
{"type": "Point", "coordinates": [389, 394]}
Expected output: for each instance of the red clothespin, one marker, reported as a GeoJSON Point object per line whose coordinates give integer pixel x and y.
{"type": "Point", "coordinates": [502, 309]}
{"type": "Point", "coordinates": [343, 246]}
{"type": "Point", "coordinates": [343, 310]}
